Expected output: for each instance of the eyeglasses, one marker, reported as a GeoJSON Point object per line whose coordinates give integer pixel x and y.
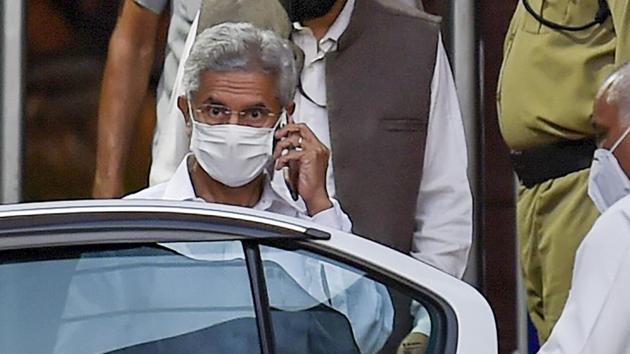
{"type": "Point", "coordinates": [218, 114]}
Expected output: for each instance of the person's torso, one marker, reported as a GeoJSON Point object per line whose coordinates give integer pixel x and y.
{"type": "Point", "coordinates": [549, 78]}
{"type": "Point", "coordinates": [376, 93]}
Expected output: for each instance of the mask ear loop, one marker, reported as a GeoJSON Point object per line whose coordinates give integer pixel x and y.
{"type": "Point", "coordinates": [190, 111]}
{"type": "Point", "coordinates": [625, 133]}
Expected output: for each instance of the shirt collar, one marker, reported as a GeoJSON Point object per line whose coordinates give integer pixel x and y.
{"type": "Point", "coordinates": [180, 187]}
{"type": "Point", "coordinates": [329, 42]}
{"type": "Point", "coordinates": [268, 196]}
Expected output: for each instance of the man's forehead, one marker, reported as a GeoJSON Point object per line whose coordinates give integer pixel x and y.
{"type": "Point", "coordinates": [239, 83]}
{"type": "Point", "coordinates": [256, 77]}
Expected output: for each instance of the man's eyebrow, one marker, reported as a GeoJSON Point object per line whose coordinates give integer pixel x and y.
{"type": "Point", "coordinates": [257, 105]}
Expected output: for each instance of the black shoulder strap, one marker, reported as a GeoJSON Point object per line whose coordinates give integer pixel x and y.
{"type": "Point", "coordinates": [602, 14]}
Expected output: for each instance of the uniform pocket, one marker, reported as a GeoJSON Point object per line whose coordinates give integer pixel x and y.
{"type": "Point", "coordinates": [402, 124]}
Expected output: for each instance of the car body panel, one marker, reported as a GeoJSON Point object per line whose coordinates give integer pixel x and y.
{"type": "Point", "coordinates": [21, 223]}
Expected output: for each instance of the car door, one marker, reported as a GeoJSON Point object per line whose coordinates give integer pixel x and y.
{"type": "Point", "coordinates": [155, 277]}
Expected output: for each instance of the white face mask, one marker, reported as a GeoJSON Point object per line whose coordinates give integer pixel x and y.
{"type": "Point", "coordinates": [607, 181]}
{"type": "Point", "coordinates": [232, 154]}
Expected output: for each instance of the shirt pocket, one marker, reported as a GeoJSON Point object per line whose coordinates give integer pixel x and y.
{"type": "Point", "coordinates": [551, 10]}
{"type": "Point", "coordinates": [402, 124]}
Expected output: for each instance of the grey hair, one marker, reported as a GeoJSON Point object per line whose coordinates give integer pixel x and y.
{"type": "Point", "coordinates": [231, 47]}
{"type": "Point", "coordinates": [617, 89]}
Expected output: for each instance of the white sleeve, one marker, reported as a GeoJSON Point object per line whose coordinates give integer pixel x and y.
{"type": "Point", "coordinates": [333, 217]}
{"type": "Point", "coordinates": [443, 232]}
{"type": "Point", "coordinates": [595, 317]}
{"type": "Point", "coordinates": [170, 140]}
{"type": "Point", "coordinates": [421, 318]}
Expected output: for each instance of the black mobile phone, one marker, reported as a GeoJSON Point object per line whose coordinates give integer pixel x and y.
{"type": "Point", "coordinates": [286, 173]}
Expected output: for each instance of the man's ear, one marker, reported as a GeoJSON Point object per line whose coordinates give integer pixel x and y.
{"type": "Point", "coordinates": [182, 104]}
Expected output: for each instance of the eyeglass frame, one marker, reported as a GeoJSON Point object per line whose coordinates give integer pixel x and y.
{"type": "Point", "coordinates": [228, 113]}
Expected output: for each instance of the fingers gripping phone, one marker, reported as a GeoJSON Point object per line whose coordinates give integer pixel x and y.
{"type": "Point", "coordinates": [289, 174]}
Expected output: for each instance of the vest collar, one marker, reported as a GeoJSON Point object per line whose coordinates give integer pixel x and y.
{"type": "Point", "coordinates": [359, 21]}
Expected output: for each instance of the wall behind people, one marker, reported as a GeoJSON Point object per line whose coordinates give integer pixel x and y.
{"type": "Point", "coordinates": [66, 50]}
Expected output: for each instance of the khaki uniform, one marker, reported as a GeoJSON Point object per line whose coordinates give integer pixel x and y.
{"type": "Point", "coordinates": [548, 82]}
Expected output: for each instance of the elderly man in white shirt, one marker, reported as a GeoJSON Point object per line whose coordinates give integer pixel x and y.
{"type": "Point", "coordinates": [596, 316]}
{"type": "Point", "coordinates": [239, 82]}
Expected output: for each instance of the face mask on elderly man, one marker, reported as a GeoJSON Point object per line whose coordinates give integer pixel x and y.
{"type": "Point", "coordinates": [607, 180]}
{"type": "Point", "coordinates": [232, 154]}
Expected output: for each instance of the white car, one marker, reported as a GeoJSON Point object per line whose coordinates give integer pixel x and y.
{"type": "Point", "coordinates": [130, 276]}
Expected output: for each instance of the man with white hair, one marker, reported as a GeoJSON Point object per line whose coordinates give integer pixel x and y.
{"type": "Point", "coordinates": [239, 83]}
{"type": "Point", "coordinates": [130, 59]}
{"type": "Point", "coordinates": [595, 318]}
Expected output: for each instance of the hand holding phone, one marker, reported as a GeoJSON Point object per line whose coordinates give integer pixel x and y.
{"type": "Point", "coordinates": [286, 171]}
{"type": "Point", "coordinates": [304, 161]}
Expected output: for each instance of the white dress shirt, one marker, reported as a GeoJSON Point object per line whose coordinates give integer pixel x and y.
{"type": "Point", "coordinates": [596, 317]}
{"type": "Point", "coordinates": [444, 209]}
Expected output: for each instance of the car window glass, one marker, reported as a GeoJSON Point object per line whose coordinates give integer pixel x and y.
{"type": "Point", "coordinates": [338, 308]}
{"type": "Point", "coordinates": [127, 300]}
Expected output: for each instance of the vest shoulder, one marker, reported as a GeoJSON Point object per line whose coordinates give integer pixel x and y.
{"type": "Point", "coordinates": [396, 8]}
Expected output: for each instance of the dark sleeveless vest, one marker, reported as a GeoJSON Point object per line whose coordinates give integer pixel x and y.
{"type": "Point", "coordinates": [379, 95]}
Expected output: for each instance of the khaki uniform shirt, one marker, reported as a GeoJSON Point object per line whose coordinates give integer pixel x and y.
{"type": "Point", "coordinates": [549, 78]}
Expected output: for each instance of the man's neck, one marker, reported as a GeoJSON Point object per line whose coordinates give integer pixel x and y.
{"type": "Point", "coordinates": [319, 26]}
{"type": "Point", "coordinates": [213, 191]}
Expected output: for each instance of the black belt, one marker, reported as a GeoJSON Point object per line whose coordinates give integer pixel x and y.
{"type": "Point", "coordinates": [539, 164]}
